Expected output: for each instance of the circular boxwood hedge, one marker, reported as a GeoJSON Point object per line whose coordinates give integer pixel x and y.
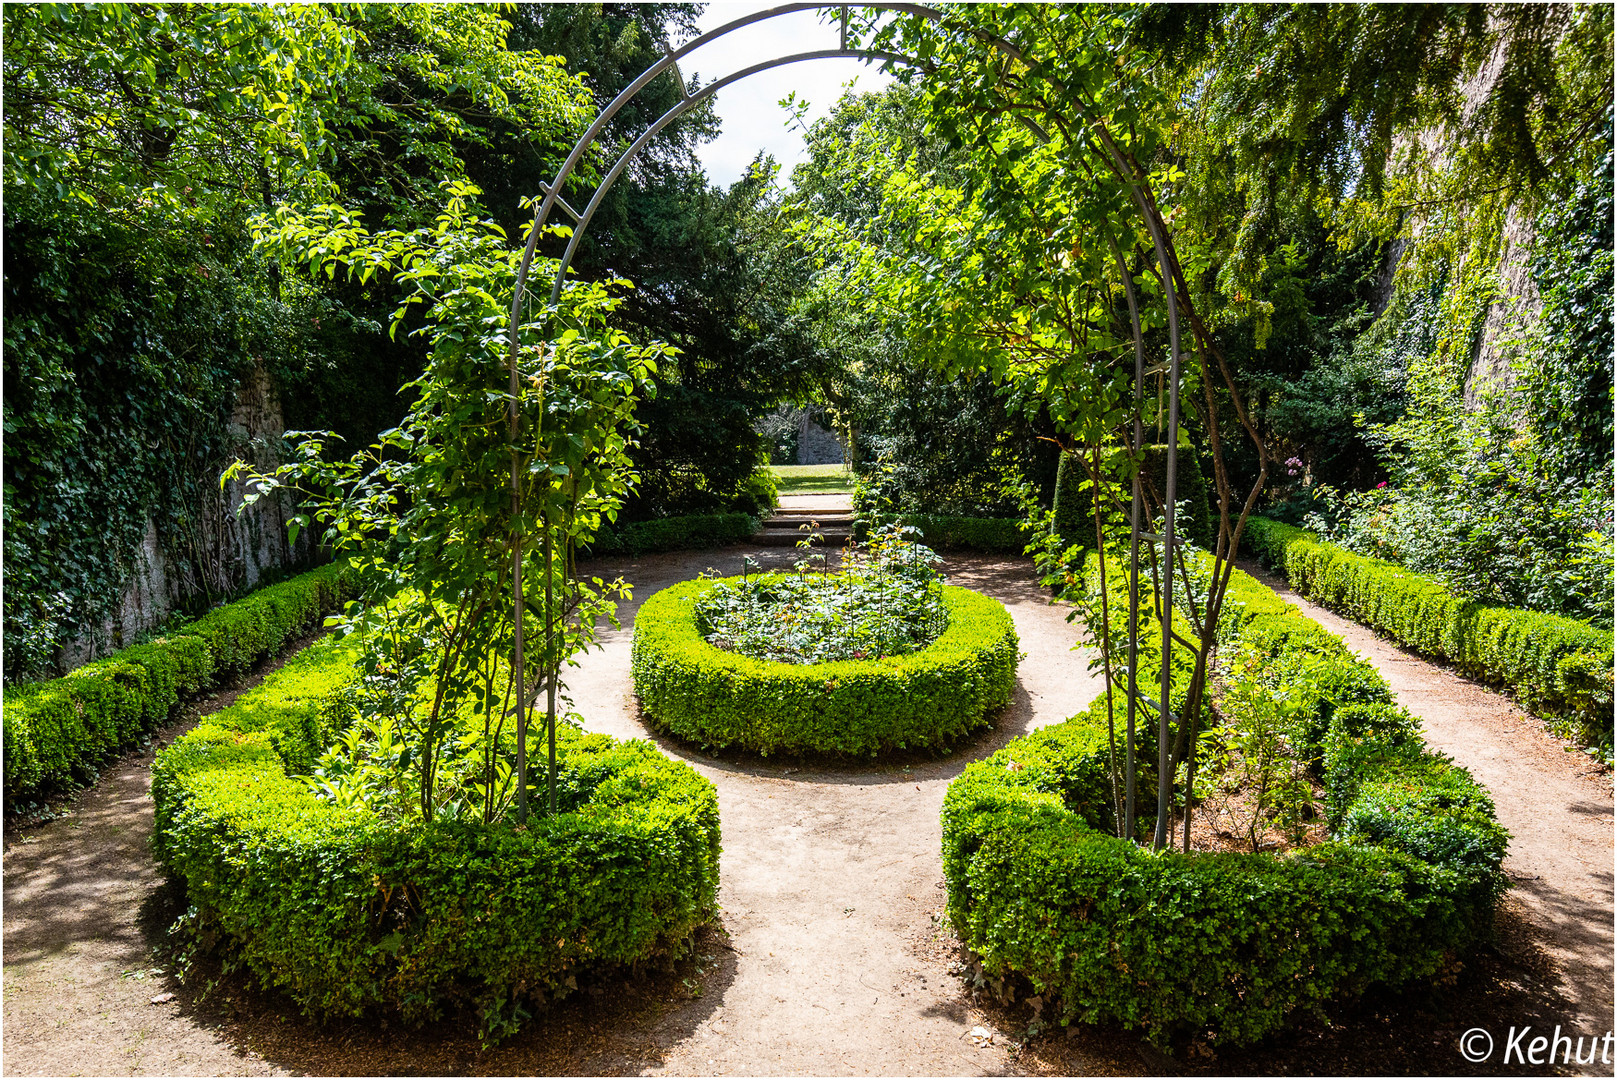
{"type": "Point", "coordinates": [347, 913]}
{"type": "Point", "coordinates": [1040, 887]}
{"type": "Point", "coordinates": [925, 700]}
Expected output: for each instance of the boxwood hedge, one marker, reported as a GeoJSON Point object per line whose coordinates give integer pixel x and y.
{"type": "Point", "coordinates": [925, 700]}
{"type": "Point", "coordinates": [1230, 944]}
{"type": "Point", "coordinates": [680, 533]}
{"type": "Point", "coordinates": [947, 532]}
{"type": "Point", "coordinates": [1074, 510]}
{"type": "Point", "coordinates": [349, 914]}
{"type": "Point", "coordinates": [1555, 665]}
{"type": "Point", "coordinates": [56, 732]}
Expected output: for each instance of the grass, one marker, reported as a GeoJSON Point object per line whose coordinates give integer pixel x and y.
{"type": "Point", "coordinates": [813, 479]}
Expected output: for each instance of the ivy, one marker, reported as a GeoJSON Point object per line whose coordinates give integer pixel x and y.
{"type": "Point", "coordinates": [140, 140]}
{"type": "Point", "coordinates": [122, 356]}
{"type": "Point", "coordinates": [1567, 378]}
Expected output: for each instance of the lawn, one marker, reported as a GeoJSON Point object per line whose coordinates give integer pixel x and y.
{"type": "Point", "coordinates": [813, 479]}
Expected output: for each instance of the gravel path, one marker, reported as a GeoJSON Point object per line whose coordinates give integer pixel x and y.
{"type": "Point", "coordinates": [1557, 805]}
{"type": "Point", "coordinates": [827, 958]}
{"type": "Point", "coordinates": [831, 876]}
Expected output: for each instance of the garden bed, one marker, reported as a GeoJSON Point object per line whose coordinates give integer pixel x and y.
{"type": "Point", "coordinates": [348, 912]}
{"type": "Point", "coordinates": [927, 699]}
{"type": "Point", "coordinates": [1227, 945]}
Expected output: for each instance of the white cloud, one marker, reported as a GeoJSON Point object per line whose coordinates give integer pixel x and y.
{"type": "Point", "coordinates": [749, 110]}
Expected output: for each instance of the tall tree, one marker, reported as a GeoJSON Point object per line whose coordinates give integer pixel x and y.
{"type": "Point", "coordinates": [140, 141]}
{"type": "Point", "coordinates": [710, 275]}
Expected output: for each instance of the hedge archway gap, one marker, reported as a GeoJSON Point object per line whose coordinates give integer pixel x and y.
{"type": "Point", "coordinates": [1166, 265]}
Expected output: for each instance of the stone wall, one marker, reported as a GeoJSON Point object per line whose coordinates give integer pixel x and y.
{"type": "Point", "coordinates": [816, 445]}
{"type": "Point", "coordinates": [1515, 308]}
{"type": "Point", "coordinates": [224, 553]}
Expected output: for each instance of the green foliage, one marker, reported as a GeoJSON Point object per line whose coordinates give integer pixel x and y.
{"type": "Point", "coordinates": [239, 635]}
{"type": "Point", "coordinates": [946, 447]}
{"type": "Point", "coordinates": [881, 492]}
{"type": "Point", "coordinates": [140, 140]}
{"type": "Point", "coordinates": [1567, 372]}
{"type": "Point", "coordinates": [716, 279]}
{"type": "Point", "coordinates": [1229, 944]}
{"type": "Point", "coordinates": [881, 603]}
{"type": "Point", "coordinates": [948, 533]}
{"type": "Point", "coordinates": [696, 453]}
{"type": "Point", "coordinates": [351, 914]}
{"type": "Point", "coordinates": [476, 486]}
{"type": "Point", "coordinates": [1260, 751]}
{"type": "Point", "coordinates": [58, 732]}
{"type": "Point", "coordinates": [1074, 506]}
{"type": "Point", "coordinates": [1501, 486]}
{"type": "Point", "coordinates": [1556, 666]}
{"type": "Point", "coordinates": [687, 532]}
{"type": "Point", "coordinates": [759, 493]}
{"type": "Point", "coordinates": [122, 355]}
{"type": "Point", "coordinates": [705, 262]}
{"type": "Point", "coordinates": [1316, 384]}
{"type": "Point", "coordinates": [1501, 528]}
{"type": "Point", "coordinates": [925, 700]}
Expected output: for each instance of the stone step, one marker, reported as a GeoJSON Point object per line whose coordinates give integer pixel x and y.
{"type": "Point", "coordinates": [786, 527]}
{"type": "Point", "coordinates": [792, 521]}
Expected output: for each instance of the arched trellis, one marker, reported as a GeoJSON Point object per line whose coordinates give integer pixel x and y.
{"type": "Point", "coordinates": [553, 199]}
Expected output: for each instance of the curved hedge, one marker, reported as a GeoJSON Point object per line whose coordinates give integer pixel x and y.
{"type": "Point", "coordinates": [1229, 943]}
{"type": "Point", "coordinates": [925, 700]}
{"type": "Point", "coordinates": [58, 731]}
{"type": "Point", "coordinates": [346, 912]}
{"type": "Point", "coordinates": [1557, 666]}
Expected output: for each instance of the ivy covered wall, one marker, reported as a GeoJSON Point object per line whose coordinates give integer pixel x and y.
{"type": "Point", "coordinates": [136, 367]}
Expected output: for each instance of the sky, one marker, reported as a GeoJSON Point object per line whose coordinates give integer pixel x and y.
{"type": "Point", "coordinates": [752, 119]}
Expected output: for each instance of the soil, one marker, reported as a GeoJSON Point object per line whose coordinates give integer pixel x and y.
{"type": "Point", "coordinates": [1222, 822]}
{"type": "Point", "coordinates": [827, 958]}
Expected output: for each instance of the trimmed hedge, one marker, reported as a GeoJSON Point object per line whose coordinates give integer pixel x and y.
{"type": "Point", "coordinates": [1233, 944]}
{"type": "Point", "coordinates": [348, 913]}
{"type": "Point", "coordinates": [951, 533]}
{"type": "Point", "coordinates": [1555, 665]}
{"type": "Point", "coordinates": [689, 531]}
{"type": "Point", "coordinates": [925, 700]}
{"type": "Point", "coordinates": [1074, 510]}
{"type": "Point", "coordinates": [56, 732]}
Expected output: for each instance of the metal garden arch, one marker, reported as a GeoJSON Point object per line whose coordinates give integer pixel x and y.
{"type": "Point", "coordinates": [553, 199]}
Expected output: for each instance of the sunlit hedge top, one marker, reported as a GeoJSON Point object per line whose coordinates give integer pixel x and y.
{"type": "Point", "coordinates": [1226, 944]}
{"type": "Point", "coordinates": [926, 700]}
{"type": "Point", "coordinates": [350, 913]}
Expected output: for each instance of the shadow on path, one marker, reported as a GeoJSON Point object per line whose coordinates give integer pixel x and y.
{"type": "Point", "coordinates": [827, 958]}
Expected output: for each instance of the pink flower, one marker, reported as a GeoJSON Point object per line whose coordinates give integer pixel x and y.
{"type": "Point", "coordinates": [1381, 485]}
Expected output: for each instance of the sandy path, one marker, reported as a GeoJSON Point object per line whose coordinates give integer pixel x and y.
{"type": "Point", "coordinates": [830, 881]}
{"type": "Point", "coordinates": [82, 912]}
{"type": "Point", "coordinates": [831, 875]}
{"type": "Point", "coordinates": [827, 959]}
{"type": "Point", "coordinates": [1557, 806]}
